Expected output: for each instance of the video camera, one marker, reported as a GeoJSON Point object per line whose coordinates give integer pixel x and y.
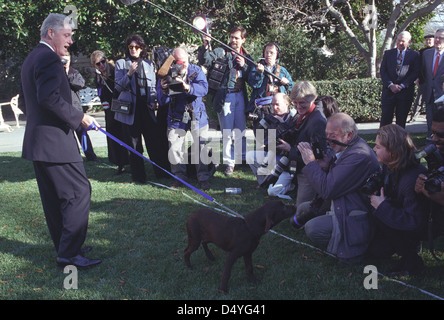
{"type": "Point", "coordinates": [174, 86]}
{"type": "Point", "coordinates": [168, 69]}
{"type": "Point", "coordinates": [435, 176]}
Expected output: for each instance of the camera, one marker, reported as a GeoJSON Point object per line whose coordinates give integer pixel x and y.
{"type": "Point", "coordinates": [174, 86]}
{"type": "Point", "coordinates": [318, 207]}
{"type": "Point", "coordinates": [434, 180]}
{"type": "Point", "coordinates": [434, 160]}
{"type": "Point", "coordinates": [284, 130]}
{"type": "Point", "coordinates": [373, 184]}
{"type": "Point", "coordinates": [280, 167]}
{"type": "Point", "coordinates": [284, 164]}
{"type": "Point", "coordinates": [429, 150]}
{"type": "Point", "coordinates": [262, 108]}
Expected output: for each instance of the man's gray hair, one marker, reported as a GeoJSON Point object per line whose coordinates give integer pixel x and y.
{"type": "Point", "coordinates": [405, 33]}
{"type": "Point", "coordinates": [54, 21]}
{"type": "Point", "coordinates": [346, 123]}
{"type": "Point", "coordinates": [181, 48]}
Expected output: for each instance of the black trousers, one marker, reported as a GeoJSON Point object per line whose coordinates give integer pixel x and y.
{"type": "Point", "coordinates": [65, 192]}
{"type": "Point", "coordinates": [387, 241]}
{"type": "Point", "coordinates": [156, 141]}
{"type": "Point", "coordinates": [394, 106]}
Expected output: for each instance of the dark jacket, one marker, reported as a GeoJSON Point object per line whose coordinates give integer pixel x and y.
{"type": "Point", "coordinates": [409, 73]}
{"type": "Point", "coordinates": [342, 183]}
{"type": "Point", "coordinates": [207, 58]}
{"type": "Point", "coordinates": [45, 99]}
{"type": "Point", "coordinates": [310, 129]}
{"type": "Point", "coordinates": [77, 83]}
{"type": "Point", "coordinates": [403, 209]}
{"type": "Point", "coordinates": [258, 81]}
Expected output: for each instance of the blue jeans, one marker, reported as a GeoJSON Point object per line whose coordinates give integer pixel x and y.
{"type": "Point", "coordinates": [233, 125]}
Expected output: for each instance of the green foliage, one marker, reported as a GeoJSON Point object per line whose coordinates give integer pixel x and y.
{"type": "Point", "coordinates": [360, 98]}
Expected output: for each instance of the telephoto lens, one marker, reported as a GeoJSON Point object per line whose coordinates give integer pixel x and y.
{"type": "Point", "coordinates": [301, 218]}
{"type": "Point", "coordinates": [281, 166]}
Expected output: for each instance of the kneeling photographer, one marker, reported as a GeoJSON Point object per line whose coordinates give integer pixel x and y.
{"type": "Point", "coordinates": [309, 126]}
{"type": "Point", "coordinates": [431, 184]}
{"type": "Point", "coordinates": [344, 230]}
{"type": "Point", "coordinates": [399, 213]}
{"type": "Point", "coordinates": [279, 119]}
{"type": "Point", "coordinates": [182, 91]}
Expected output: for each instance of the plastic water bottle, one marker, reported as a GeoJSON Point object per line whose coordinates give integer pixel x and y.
{"type": "Point", "coordinates": [233, 190]}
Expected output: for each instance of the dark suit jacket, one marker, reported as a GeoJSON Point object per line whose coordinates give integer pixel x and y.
{"type": "Point", "coordinates": [433, 84]}
{"type": "Point", "coordinates": [409, 73]}
{"type": "Point", "coordinates": [45, 98]}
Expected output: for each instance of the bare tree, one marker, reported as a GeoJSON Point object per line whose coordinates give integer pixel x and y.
{"type": "Point", "coordinates": [360, 28]}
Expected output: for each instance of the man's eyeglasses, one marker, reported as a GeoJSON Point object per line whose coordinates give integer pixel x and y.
{"type": "Point", "coordinates": [103, 61]}
{"type": "Point", "coordinates": [133, 47]}
{"type": "Point", "coordinates": [438, 134]}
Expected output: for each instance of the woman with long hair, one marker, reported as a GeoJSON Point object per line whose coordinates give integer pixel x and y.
{"type": "Point", "coordinates": [399, 213]}
{"type": "Point", "coordinates": [104, 80]}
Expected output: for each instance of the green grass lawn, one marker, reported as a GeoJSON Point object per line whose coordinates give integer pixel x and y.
{"type": "Point", "coordinates": [139, 232]}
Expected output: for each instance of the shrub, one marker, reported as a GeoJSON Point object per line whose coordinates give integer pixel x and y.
{"type": "Point", "coordinates": [360, 98]}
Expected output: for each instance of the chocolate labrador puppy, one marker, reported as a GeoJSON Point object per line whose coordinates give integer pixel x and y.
{"type": "Point", "coordinates": [238, 237]}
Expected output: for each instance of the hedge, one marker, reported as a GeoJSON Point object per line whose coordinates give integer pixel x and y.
{"type": "Point", "coordinates": [360, 98]}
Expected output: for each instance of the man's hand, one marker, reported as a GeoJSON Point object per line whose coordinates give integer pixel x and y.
{"type": "Point", "coordinates": [240, 61]}
{"type": "Point", "coordinates": [283, 145]}
{"type": "Point", "coordinates": [376, 200]}
{"type": "Point", "coordinates": [260, 68]}
{"type": "Point", "coordinates": [395, 88]}
{"type": "Point", "coordinates": [437, 197]}
{"type": "Point", "coordinates": [88, 120]}
{"type": "Point", "coordinates": [206, 41]}
{"type": "Point", "coordinates": [306, 152]}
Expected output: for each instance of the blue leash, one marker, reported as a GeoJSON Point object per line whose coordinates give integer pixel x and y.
{"type": "Point", "coordinates": [93, 127]}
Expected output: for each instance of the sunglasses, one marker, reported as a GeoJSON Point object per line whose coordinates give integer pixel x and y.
{"type": "Point", "coordinates": [133, 47]}
{"type": "Point", "coordinates": [103, 61]}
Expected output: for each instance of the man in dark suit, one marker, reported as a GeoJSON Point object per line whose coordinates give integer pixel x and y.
{"type": "Point", "coordinates": [50, 143]}
{"type": "Point", "coordinates": [433, 74]}
{"type": "Point", "coordinates": [399, 70]}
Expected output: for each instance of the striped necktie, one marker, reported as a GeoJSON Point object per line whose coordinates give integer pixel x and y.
{"type": "Point", "coordinates": [399, 63]}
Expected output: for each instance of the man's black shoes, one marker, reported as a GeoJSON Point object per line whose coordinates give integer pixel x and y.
{"type": "Point", "coordinates": [79, 261]}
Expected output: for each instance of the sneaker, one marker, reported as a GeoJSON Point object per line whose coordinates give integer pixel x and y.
{"type": "Point", "coordinates": [229, 170]}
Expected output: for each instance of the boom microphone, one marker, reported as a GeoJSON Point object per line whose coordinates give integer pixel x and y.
{"type": "Point", "coordinates": [131, 2]}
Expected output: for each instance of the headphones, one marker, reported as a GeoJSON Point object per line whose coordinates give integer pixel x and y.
{"type": "Point", "coordinates": [277, 47]}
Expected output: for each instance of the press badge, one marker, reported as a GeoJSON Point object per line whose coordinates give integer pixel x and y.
{"type": "Point", "coordinates": [142, 92]}
{"type": "Point", "coordinates": [186, 117]}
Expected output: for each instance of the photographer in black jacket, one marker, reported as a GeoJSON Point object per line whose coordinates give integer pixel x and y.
{"type": "Point", "coordinates": [309, 126]}
{"type": "Point", "coordinates": [399, 213]}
